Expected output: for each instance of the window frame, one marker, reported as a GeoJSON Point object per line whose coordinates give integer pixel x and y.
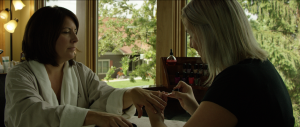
{"type": "Point", "coordinates": [170, 34]}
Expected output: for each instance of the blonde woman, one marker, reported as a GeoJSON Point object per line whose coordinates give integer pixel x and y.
{"type": "Point", "coordinates": [246, 89]}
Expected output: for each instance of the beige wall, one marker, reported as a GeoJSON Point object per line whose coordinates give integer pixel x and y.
{"type": "Point", "coordinates": [23, 16]}
{"type": "Point", "coordinates": [2, 30]}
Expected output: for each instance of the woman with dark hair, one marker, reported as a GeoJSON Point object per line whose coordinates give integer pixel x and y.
{"type": "Point", "coordinates": [51, 89]}
{"type": "Point", "coordinates": [245, 89]}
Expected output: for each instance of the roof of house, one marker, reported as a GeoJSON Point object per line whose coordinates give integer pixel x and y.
{"type": "Point", "coordinates": [127, 49]}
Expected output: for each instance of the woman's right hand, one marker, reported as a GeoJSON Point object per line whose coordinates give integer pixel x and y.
{"type": "Point", "coordinates": [103, 119]}
{"type": "Point", "coordinates": [185, 96]}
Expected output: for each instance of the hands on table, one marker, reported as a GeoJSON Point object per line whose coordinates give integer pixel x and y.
{"type": "Point", "coordinates": [157, 119]}
{"type": "Point", "coordinates": [140, 97]}
{"type": "Point", "coordinates": [149, 99]}
{"type": "Point", "coordinates": [154, 102]}
{"type": "Point", "coordinates": [186, 98]}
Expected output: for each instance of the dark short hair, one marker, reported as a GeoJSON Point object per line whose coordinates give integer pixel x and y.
{"type": "Point", "coordinates": [42, 32]}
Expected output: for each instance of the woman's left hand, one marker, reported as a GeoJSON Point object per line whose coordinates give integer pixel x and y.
{"type": "Point", "coordinates": [157, 119]}
{"type": "Point", "coordinates": [141, 97]}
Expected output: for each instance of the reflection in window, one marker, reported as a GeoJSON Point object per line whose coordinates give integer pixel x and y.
{"type": "Point", "coordinates": [127, 35]}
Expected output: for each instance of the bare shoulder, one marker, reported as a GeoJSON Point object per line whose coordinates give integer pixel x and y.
{"type": "Point", "coordinates": [210, 114]}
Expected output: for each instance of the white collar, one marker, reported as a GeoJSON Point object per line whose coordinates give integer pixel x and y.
{"type": "Point", "coordinates": [69, 87]}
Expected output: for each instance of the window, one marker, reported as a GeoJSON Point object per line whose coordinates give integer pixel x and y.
{"type": "Point", "coordinates": [163, 16]}
{"type": "Point", "coordinates": [103, 66]}
{"type": "Point", "coordinates": [190, 52]}
{"type": "Point", "coordinates": [127, 29]}
{"type": "Point", "coordinates": [70, 4]}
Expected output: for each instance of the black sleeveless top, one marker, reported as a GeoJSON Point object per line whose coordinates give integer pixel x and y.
{"type": "Point", "coordinates": [255, 93]}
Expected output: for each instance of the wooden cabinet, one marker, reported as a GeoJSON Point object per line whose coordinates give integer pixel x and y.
{"type": "Point", "coordinates": [170, 71]}
{"type": "Point", "coordinates": [173, 106]}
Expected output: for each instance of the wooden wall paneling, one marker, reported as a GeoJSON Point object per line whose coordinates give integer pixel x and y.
{"type": "Point", "coordinates": [91, 32]}
{"type": "Point", "coordinates": [163, 38]}
{"type": "Point", "coordinates": [31, 7]}
{"type": "Point", "coordinates": [170, 34]}
{"type": "Point", "coordinates": [39, 4]}
{"type": "Point", "coordinates": [2, 31]}
{"type": "Point", "coordinates": [179, 34]}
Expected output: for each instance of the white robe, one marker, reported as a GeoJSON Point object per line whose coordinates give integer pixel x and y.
{"type": "Point", "coordinates": [26, 105]}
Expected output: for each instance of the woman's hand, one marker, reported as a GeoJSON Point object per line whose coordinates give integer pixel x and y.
{"type": "Point", "coordinates": [157, 119]}
{"type": "Point", "coordinates": [103, 119]}
{"type": "Point", "coordinates": [149, 99]}
{"type": "Point", "coordinates": [186, 97]}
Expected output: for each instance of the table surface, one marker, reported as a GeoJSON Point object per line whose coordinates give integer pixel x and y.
{"type": "Point", "coordinates": [145, 122]}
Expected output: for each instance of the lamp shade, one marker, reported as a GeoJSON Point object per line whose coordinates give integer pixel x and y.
{"type": "Point", "coordinates": [11, 26]}
{"type": "Point", "coordinates": [3, 14]}
{"type": "Point", "coordinates": [18, 4]}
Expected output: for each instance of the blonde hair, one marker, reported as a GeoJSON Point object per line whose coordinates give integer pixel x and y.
{"type": "Point", "coordinates": [222, 33]}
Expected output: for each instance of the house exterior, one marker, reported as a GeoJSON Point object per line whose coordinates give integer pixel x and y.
{"type": "Point", "coordinates": [109, 59]}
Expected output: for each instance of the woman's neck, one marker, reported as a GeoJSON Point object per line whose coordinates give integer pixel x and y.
{"type": "Point", "coordinates": [53, 70]}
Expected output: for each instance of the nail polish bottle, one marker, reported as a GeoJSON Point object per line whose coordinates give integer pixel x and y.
{"type": "Point", "coordinates": [205, 73]}
{"type": "Point", "coordinates": [197, 79]}
{"type": "Point", "coordinates": [177, 78]}
{"type": "Point", "coordinates": [189, 68]}
{"type": "Point", "coordinates": [200, 69]}
{"type": "Point", "coordinates": [191, 78]}
{"type": "Point", "coordinates": [184, 67]}
{"type": "Point", "coordinates": [184, 78]}
{"type": "Point", "coordinates": [171, 60]}
{"type": "Point", "coordinates": [195, 68]}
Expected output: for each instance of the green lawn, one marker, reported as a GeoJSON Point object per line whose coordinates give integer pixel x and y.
{"type": "Point", "coordinates": [123, 84]}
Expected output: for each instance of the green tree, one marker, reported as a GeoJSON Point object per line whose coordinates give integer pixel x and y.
{"type": "Point", "coordinates": [117, 31]}
{"type": "Point", "coordinates": [191, 52]}
{"type": "Point", "coordinates": [125, 64]}
{"type": "Point", "coordinates": [276, 30]}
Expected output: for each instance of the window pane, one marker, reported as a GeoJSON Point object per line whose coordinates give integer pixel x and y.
{"type": "Point", "coordinates": [105, 66]}
{"type": "Point", "coordinates": [69, 4]}
{"type": "Point", "coordinates": [127, 29]}
{"type": "Point", "coordinates": [190, 52]}
{"type": "Point", "coordinates": [99, 66]}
